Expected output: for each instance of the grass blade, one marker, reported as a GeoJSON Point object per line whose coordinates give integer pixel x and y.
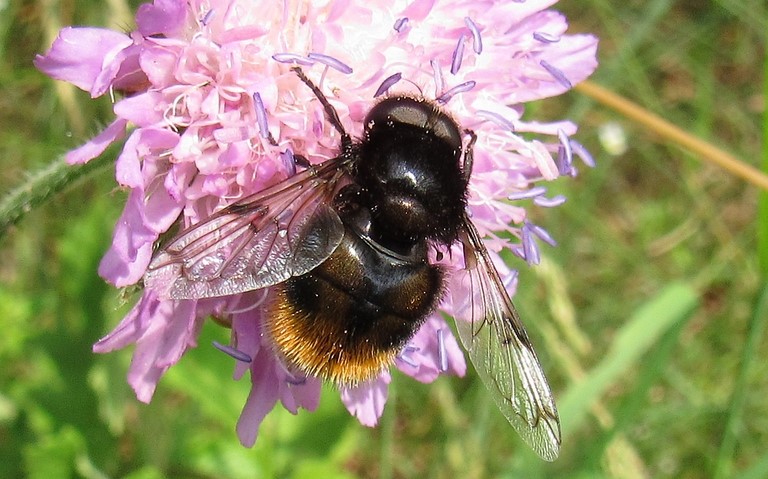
{"type": "Point", "coordinates": [762, 206]}
{"type": "Point", "coordinates": [724, 466]}
{"type": "Point", "coordinates": [670, 307]}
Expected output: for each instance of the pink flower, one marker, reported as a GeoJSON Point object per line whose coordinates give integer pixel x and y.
{"type": "Point", "coordinates": [206, 83]}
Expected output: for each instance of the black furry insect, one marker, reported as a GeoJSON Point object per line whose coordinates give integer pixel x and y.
{"type": "Point", "coordinates": [344, 244]}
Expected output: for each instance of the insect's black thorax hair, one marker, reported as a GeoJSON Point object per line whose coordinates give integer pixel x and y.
{"type": "Point", "coordinates": [412, 182]}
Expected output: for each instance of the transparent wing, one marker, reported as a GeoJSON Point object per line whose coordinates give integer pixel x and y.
{"type": "Point", "coordinates": [498, 346]}
{"type": "Point", "coordinates": [261, 240]}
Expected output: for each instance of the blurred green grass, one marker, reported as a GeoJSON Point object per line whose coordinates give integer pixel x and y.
{"type": "Point", "coordinates": [647, 316]}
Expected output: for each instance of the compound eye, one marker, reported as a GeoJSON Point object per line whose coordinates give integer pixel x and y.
{"type": "Point", "coordinates": [420, 113]}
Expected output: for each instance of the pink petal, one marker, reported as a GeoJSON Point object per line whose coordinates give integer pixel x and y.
{"type": "Point", "coordinates": [99, 143]}
{"type": "Point", "coordinates": [143, 144]}
{"type": "Point", "coordinates": [129, 78]}
{"type": "Point", "coordinates": [144, 109]}
{"type": "Point", "coordinates": [246, 328]}
{"type": "Point", "coordinates": [164, 17]}
{"type": "Point", "coordinates": [419, 9]}
{"type": "Point", "coordinates": [305, 395]}
{"type": "Point", "coordinates": [264, 394]}
{"type": "Point", "coordinates": [366, 401]}
{"type": "Point", "coordinates": [115, 62]}
{"type": "Point", "coordinates": [131, 327]}
{"type": "Point", "coordinates": [172, 329]}
{"type": "Point", "coordinates": [127, 258]}
{"type": "Point", "coordinates": [270, 381]}
{"type": "Point", "coordinates": [520, 10]}
{"type": "Point", "coordinates": [79, 55]}
{"type": "Point", "coordinates": [543, 160]}
{"type": "Point", "coordinates": [159, 63]}
{"type": "Point", "coordinates": [128, 164]}
{"type": "Point", "coordinates": [162, 210]}
{"type": "Point", "coordinates": [162, 331]}
{"type": "Point", "coordinates": [178, 179]}
{"type": "Point", "coordinates": [576, 59]}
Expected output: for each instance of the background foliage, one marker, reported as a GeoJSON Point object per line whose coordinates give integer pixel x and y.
{"type": "Point", "coordinates": [649, 317]}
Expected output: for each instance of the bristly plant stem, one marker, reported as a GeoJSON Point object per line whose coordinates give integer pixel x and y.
{"type": "Point", "coordinates": [658, 125]}
{"type": "Point", "coordinates": [42, 185]}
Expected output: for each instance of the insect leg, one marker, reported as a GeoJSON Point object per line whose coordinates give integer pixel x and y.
{"type": "Point", "coordinates": [302, 161]}
{"type": "Point", "coordinates": [466, 170]}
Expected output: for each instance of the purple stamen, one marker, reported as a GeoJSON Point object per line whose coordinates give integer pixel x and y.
{"type": "Point", "coordinates": [292, 58]}
{"type": "Point", "coordinates": [545, 37]}
{"type": "Point", "coordinates": [496, 118]}
{"type": "Point", "coordinates": [542, 234]}
{"type": "Point", "coordinates": [387, 83]}
{"type": "Point", "coordinates": [556, 74]}
{"type": "Point", "coordinates": [530, 248]}
{"type": "Point", "coordinates": [294, 381]}
{"type": "Point", "coordinates": [207, 17]}
{"type": "Point", "coordinates": [289, 162]}
{"type": "Point", "coordinates": [334, 63]}
{"type": "Point", "coordinates": [442, 355]}
{"type": "Point", "coordinates": [261, 115]}
{"type": "Point", "coordinates": [463, 87]}
{"type": "Point", "coordinates": [532, 193]}
{"type": "Point", "coordinates": [563, 167]}
{"type": "Point", "coordinates": [477, 40]}
{"type": "Point", "coordinates": [582, 153]}
{"type": "Point", "coordinates": [405, 356]}
{"type": "Point", "coordinates": [564, 154]}
{"type": "Point", "coordinates": [235, 353]}
{"type": "Point", "coordinates": [545, 202]}
{"type": "Point", "coordinates": [458, 53]}
{"type": "Point", "coordinates": [400, 23]}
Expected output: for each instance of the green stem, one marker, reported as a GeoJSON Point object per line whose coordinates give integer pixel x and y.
{"type": "Point", "coordinates": [386, 470]}
{"type": "Point", "coordinates": [42, 185]}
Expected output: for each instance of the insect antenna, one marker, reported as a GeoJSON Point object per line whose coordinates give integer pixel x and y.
{"type": "Point", "coordinates": [330, 111]}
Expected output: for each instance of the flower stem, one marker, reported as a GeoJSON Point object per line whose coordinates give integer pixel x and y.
{"type": "Point", "coordinates": [386, 469]}
{"type": "Point", "coordinates": [42, 185]}
{"type": "Point", "coordinates": [667, 130]}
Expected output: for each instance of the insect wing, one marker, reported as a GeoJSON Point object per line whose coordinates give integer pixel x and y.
{"type": "Point", "coordinates": [283, 231]}
{"type": "Point", "coordinates": [498, 346]}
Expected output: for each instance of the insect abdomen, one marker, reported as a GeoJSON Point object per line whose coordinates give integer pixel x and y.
{"type": "Point", "coordinates": [346, 320]}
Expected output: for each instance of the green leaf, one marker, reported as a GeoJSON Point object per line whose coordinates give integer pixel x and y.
{"type": "Point", "coordinates": [671, 306]}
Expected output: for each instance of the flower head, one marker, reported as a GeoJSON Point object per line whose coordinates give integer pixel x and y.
{"type": "Point", "coordinates": [216, 114]}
